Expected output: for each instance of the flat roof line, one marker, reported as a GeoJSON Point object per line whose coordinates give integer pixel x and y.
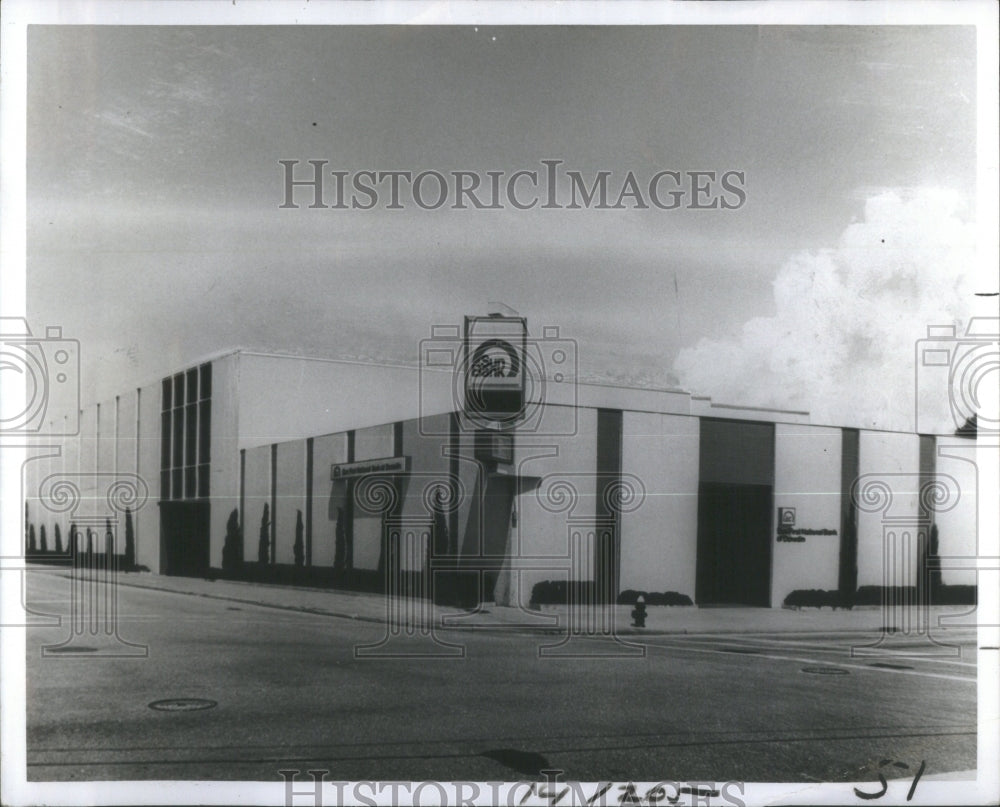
{"type": "Point", "coordinates": [757, 408]}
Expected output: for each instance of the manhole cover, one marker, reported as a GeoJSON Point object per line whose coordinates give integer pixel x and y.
{"type": "Point", "coordinates": [70, 649]}
{"type": "Point", "coordinates": [826, 670]}
{"type": "Point", "coordinates": [183, 704]}
{"type": "Point", "coordinates": [886, 665]}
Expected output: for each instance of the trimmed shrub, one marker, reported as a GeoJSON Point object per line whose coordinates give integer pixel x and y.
{"type": "Point", "coordinates": [630, 597]}
{"type": "Point", "coordinates": [818, 598]}
{"type": "Point", "coordinates": [557, 592]}
{"type": "Point", "coordinates": [340, 541]}
{"type": "Point", "coordinates": [876, 595]}
{"type": "Point", "coordinates": [298, 548]}
{"type": "Point", "coordinates": [232, 547]}
{"type": "Point", "coordinates": [129, 540]}
{"type": "Point", "coordinates": [264, 544]}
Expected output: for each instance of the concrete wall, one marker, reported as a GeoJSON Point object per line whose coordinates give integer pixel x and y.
{"type": "Point", "coordinates": [256, 492]}
{"type": "Point", "coordinates": [430, 465]}
{"type": "Point", "coordinates": [47, 462]}
{"type": "Point", "coordinates": [327, 496]}
{"type": "Point", "coordinates": [86, 480]}
{"type": "Point", "coordinates": [147, 518]}
{"type": "Point", "coordinates": [224, 485]}
{"type": "Point", "coordinates": [105, 453]}
{"type": "Point", "coordinates": [957, 517]}
{"type": "Point", "coordinates": [370, 443]}
{"type": "Point", "coordinates": [33, 472]}
{"type": "Point", "coordinates": [566, 467]}
{"type": "Point", "coordinates": [889, 461]}
{"type": "Point", "coordinates": [124, 447]}
{"type": "Point", "coordinates": [430, 472]}
{"type": "Point", "coordinates": [290, 498]}
{"type": "Point", "coordinates": [117, 450]}
{"type": "Point", "coordinates": [374, 442]}
{"type": "Point", "coordinates": [260, 400]}
{"type": "Point", "coordinates": [807, 477]}
{"type": "Point", "coordinates": [286, 398]}
{"type": "Point", "coordinates": [659, 538]}
{"type": "Point", "coordinates": [126, 434]}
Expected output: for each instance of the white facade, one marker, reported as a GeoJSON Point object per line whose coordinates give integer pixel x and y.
{"type": "Point", "coordinates": [278, 424]}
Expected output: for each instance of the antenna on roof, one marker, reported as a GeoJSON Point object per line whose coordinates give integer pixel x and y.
{"type": "Point", "coordinates": [500, 310]}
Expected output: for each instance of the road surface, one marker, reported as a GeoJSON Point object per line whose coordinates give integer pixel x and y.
{"type": "Point", "coordinates": [289, 693]}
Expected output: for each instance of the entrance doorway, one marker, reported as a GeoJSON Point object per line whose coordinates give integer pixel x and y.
{"type": "Point", "coordinates": [734, 544]}
{"type": "Point", "coordinates": [184, 538]}
{"type": "Point", "coordinates": [498, 501]}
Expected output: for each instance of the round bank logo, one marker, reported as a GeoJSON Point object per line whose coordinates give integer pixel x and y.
{"type": "Point", "coordinates": [495, 358]}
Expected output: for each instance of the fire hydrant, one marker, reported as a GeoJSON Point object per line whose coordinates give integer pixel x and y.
{"type": "Point", "coordinates": [639, 613]}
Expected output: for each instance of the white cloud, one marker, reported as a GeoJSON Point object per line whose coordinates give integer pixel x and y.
{"type": "Point", "coordinates": [842, 341]}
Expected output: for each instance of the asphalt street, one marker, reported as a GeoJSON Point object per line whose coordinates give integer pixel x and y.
{"type": "Point", "coordinates": [285, 690]}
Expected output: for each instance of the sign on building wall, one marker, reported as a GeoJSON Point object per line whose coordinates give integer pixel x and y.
{"type": "Point", "coordinates": [493, 367]}
{"type": "Point", "coordinates": [386, 465]}
{"type": "Point", "coordinates": [788, 532]}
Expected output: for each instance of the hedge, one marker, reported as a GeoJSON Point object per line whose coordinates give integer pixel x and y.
{"type": "Point", "coordinates": [555, 592]}
{"type": "Point", "coordinates": [876, 595]}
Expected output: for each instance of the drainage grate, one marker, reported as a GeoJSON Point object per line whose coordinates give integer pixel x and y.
{"type": "Point", "coordinates": [886, 665]}
{"type": "Point", "coordinates": [70, 649]}
{"type": "Point", "coordinates": [183, 704]}
{"type": "Point", "coordinates": [826, 671]}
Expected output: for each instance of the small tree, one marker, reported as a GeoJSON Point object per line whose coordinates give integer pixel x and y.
{"type": "Point", "coordinates": [299, 547]}
{"type": "Point", "coordinates": [32, 549]}
{"type": "Point", "coordinates": [59, 546]}
{"type": "Point", "coordinates": [74, 539]}
{"type": "Point", "coordinates": [264, 544]}
{"type": "Point", "coordinates": [109, 541]}
{"type": "Point", "coordinates": [129, 540]}
{"type": "Point", "coordinates": [340, 542]}
{"type": "Point", "coordinates": [232, 548]}
{"type": "Point", "coordinates": [90, 546]}
{"type": "Point", "coordinates": [935, 571]}
{"type": "Point", "coordinates": [43, 541]}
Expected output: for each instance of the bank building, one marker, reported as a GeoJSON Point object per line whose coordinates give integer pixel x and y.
{"type": "Point", "coordinates": [489, 473]}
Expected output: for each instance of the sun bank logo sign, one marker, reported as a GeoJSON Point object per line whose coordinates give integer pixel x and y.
{"type": "Point", "coordinates": [498, 376]}
{"type": "Point", "coordinates": [493, 367]}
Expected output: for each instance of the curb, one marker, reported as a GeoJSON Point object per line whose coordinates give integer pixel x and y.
{"type": "Point", "coordinates": [488, 627]}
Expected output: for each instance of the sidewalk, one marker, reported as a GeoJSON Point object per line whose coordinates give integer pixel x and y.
{"type": "Point", "coordinates": [660, 620]}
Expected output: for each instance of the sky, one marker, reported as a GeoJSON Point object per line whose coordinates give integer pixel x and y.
{"type": "Point", "coordinates": [156, 236]}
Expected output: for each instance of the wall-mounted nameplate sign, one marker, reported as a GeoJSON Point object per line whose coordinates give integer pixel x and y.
{"type": "Point", "coordinates": [386, 465]}
{"type": "Point", "coordinates": [792, 534]}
